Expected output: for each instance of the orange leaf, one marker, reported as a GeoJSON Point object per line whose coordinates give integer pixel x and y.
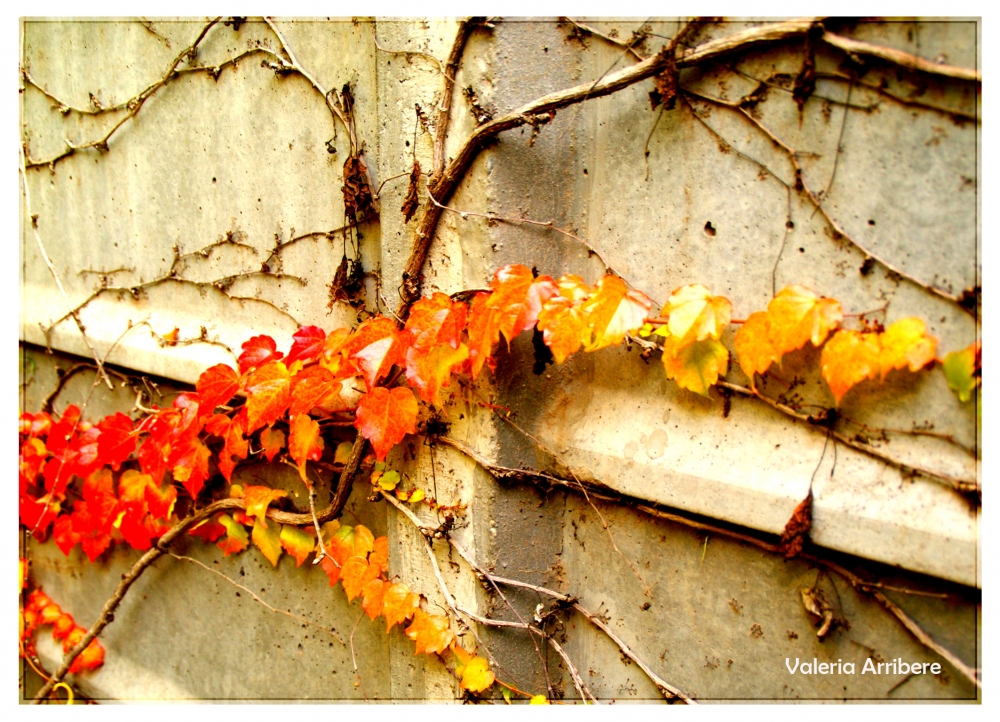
{"type": "Point", "coordinates": [906, 344]}
{"type": "Point", "coordinates": [268, 395]}
{"type": "Point", "coordinates": [518, 297]}
{"type": "Point", "coordinates": [484, 331]}
{"type": "Point", "coordinates": [797, 315]}
{"type": "Point", "coordinates": [273, 441]}
{"type": "Point", "coordinates": [613, 311]}
{"type": "Point", "coordinates": [435, 320]}
{"type": "Point", "coordinates": [376, 345]}
{"type": "Point", "coordinates": [304, 443]}
{"type": "Point", "coordinates": [314, 386]}
{"type": "Point", "coordinates": [849, 358]}
{"type": "Point", "coordinates": [373, 596]}
{"type": "Point", "coordinates": [430, 369]}
{"type": "Point", "coordinates": [297, 542]}
{"type": "Point", "coordinates": [380, 553]}
{"type": "Point", "coordinates": [753, 345]}
{"type": "Point", "coordinates": [232, 431]}
{"type": "Point", "coordinates": [89, 659]}
{"type": "Point", "coordinates": [355, 574]}
{"type": "Point", "coordinates": [216, 386]}
{"type": "Point", "coordinates": [431, 632]}
{"type": "Point", "coordinates": [209, 530]}
{"type": "Point", "coordinates": [191, 466]}
{"type": "Point", "coordinates": [257, 499]}
{"type": "Point", "coordinates": [563, 326]}
{"type": "Point", "coordinates": [384, 417]}
{"type": "Point", "coordinates": [398, 604]}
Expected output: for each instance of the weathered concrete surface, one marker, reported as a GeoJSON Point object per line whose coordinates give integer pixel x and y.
{"type": "Point", "coordinates": [702, 211]}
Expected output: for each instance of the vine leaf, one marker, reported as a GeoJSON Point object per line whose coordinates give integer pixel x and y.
{"type": "Point", "coordinates": [236, 536]}
{"type": "Point", "coordinates": [191, 466]}
{"type": "Point", "coordinates": [258, 498]}
{"type": "Point", "coordinates": [796, 531]}
{"type": "Point", "coordinates": [257, 352]}
{"type": "Point", "coordinates": [753, 345]}
{"type": "Point", "coordinates": [398, 604]}
{"type": "Point", "coordinates": [272, 441]}
{"type": "Point", "coordinates": [430, 370]}
{"type": "Point", "coordinates": [210, 529]}
{"type": "Point", "coordinates": [236, 446]}
{"type": "Point", "coordinates": [797, 316]}
{"type": "Point", "coordinates": [962, 369]}
{"type": "Point", "coordinates": [297, 542]}
{"type": "Point", "coordinates": [850, 357]}
{"type": "Point", "coordinates": [517, 299]}
{"type": "Point", "coordinates": [304, 443]}
{"type": "Point", "coordinates": [308, 344]}
{"type": "Point", "coordinates": [473, 671]}
{"type": "Point", "coordinates": [267, 539]}
{"type": "Point", "coordinates": [613, 311]}
{"type": "Point", "coordinates": [373, 597]}
{"type": "Point", "coordinates": [116, 441]}
{"type": "Point", "coordinates": [355, 573]}
{"type": "Point", "coordinates": [385, 416]}
{"type": "Point", "coordinates": [216, 386]}
{"type": "Point", "coordinates": [376, 345]}
{"type": "Point", "coordinates": [563, 326]}
{"type": "Point", "coordinates": [695, 366]}
{"type": "Point", "coordinates": [695, 314]}
{"type": "Point", "coordinates": [431, 633]}
{"type": "Point", "coordinates": [312, 387]}
{"type": "Point", "coordinates": [268, 395]}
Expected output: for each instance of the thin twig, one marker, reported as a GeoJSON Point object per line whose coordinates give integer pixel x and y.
{"type": "Point", "coordinates": [444, 106]}
{"type": "Point", "coordinates": [236, 584]}
{"type": "Point", "coordinates": [294, 64]}
{"type": "Point", "coordinates": [587, 30]}
{"type": "Point", "coordinates": [963, 486]}
{"type": "Point", "coordinates": [33, 222]}
{"type": "Point", "coordinates": [581, 688]}
{"type": "Point", "coordinates": [354, 661]}
{"type": "Point", "coordinates": [407, 53]}
{"type": "Point", "coordinates": [527, 222]}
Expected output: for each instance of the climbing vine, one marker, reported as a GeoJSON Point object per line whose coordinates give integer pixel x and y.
{"type": "Point", "coordinates": [336, 403]}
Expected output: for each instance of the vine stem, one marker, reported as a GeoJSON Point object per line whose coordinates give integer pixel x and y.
{"type": "Point", "coordinates": [668, 690]}
{"type": "Point", "coordinates": [32, 220]}
{"type": "Point", "coordinates": [609, 495]}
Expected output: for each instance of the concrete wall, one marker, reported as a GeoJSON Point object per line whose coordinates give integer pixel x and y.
{"type": "Point", "coordinates": [246, 159]}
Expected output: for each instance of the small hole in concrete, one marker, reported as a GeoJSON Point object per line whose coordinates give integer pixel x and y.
{"type": "Point", "coordinates": [802, 250]}
{"type": "Point", "coordinates": [709, 229]}
{"type": "Point", "coordinates": [871, 222]}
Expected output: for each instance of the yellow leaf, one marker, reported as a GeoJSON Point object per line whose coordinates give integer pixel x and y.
{"type": "Point", "coordinates": [257, 499]}
{"type": "Point", "coordinates": [696, 366]}
{"type": "Point", "coordinates": [268, 540]}
{"type": "Point", "coordinates": [798, 315]}
{"type": "Point", "coordinates": [613, 311]}
{"type": "Point", "coordinates": [906, 344]}
{"type": "Point", "coordinates": [417, 495]}
{"type": "Point", "coordinates": [695, 314]}
{"type": "Point", "coordinates": [753, 345]}
{"type": "Point", "coordinates": [297, 542]}
{"type": "Point", "coordinates": [538, 699]}
{"type": "Point", "coordinates": [476, 676]}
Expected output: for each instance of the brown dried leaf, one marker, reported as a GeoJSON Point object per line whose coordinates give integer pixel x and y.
{"type": "Point", "coordinates": [797, 529]}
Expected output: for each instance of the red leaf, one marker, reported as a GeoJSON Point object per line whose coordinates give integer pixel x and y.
{"type": "Point", "coordinates": [61, 431]}
{"type": "Point", "coordinates": [232, 431]}
{"type": "Point", "coordinates": [216, 387]}
{"type": "Point", "coordinates": [376, 345]}
{"type": "Point", "coordinates": [268, 395]}
{"type": "Point", "coordinates": [209, 530]}
{"type": "Point", "coordinates": [384, 417]}
{"type": "Point", "coordinates": [116, 441]}
{"type": "Point", "coordinates": [258, 351]}
{"type": "Point", "coordinates": [308, 343]}
{"type": "Point", "coordinates": [63, 534]}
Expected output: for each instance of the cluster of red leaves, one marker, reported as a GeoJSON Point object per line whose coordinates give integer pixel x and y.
{"type": "Point", "coordinates": [40, 611]}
